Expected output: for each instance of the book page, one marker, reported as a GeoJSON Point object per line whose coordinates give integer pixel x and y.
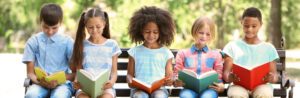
{"type": "Point", "coordinates": [39, 72]}
{"type": "Point", "coordinates": [250, 67]}
{"type": "Point", "coordinates": [141, 82]}
{"type": "Point", "coordinates": [87, 74]}
{"type": "Point", "coordinates": [206, 74]}
{"type": "Point", "coordinates": [190, 72]}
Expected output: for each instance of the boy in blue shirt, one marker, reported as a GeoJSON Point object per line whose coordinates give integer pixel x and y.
{"type": "Point", "coordinates": [51, 51]}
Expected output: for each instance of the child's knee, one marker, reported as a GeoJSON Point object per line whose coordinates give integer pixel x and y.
{"type": "Point", "coordinates": [187, 93]}
{"type": "Point", "coordinates": [263, 91]}
{"type": "Point", "coordinates": [236, 91]}
{"type": "Point", "coordinates": [62, 91]}
{"type": "Point", "coordinates": [36, 91]}
{"type": "Point", "coordinates": [209, 93]}
{"type": "Point", "coordinates": [140, 94]}
{"type": "Point", "coordinates": [159, 94]}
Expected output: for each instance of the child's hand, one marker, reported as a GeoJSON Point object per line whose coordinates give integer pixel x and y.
{"type": "Point", "coordinates": [233, 78]}
{"type": "Point", "coordinates": [269, 77]}
{"type": "Point", "coordinates": [129, 80]}
{"type": "Point", "coordinates": [53, 84]}
{"type": "Point", "coordinates": [168, 82]}
{"type": "Point", "coordinates": [108, 84]}
{"type": "Point", "coordinates": [178, 83]}
{"type": "Point", "coordinates": [219, 87]}
{"type": "Point", "coordinates": [46, 84]}
{"type": "Point", "coordinates": [76, 85]}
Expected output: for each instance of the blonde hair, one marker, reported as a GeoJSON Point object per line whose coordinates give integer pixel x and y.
{"type": "Point", "coordinates": [200, 23]}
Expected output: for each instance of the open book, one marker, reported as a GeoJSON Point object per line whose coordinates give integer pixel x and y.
{"type": "Point", "coordinates": [195, 82]}
{"type": "Point", "coordinates": [92, 82]}
{"type": "Point", "coordinates": [149, 88]}
{"type": "Point", "coordinates": [60, 76]}
{"type": "Point", "coordinates": [251, 76]}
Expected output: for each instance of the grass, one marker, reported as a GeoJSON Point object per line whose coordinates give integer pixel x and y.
{"type": "Point", "coordinates": [292, 59]}
{"type": "Point", "coordinates": [293, 73]}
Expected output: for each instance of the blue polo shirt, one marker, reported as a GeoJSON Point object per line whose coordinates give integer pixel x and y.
{"type": "Point", "coordinates": [52, 54]}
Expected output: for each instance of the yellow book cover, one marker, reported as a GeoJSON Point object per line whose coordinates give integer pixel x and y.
{"type": "Point", "coordinates": [60, 76]}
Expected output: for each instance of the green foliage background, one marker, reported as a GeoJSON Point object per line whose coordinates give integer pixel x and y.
{"type": "Point", "coordinates": [19, 19]}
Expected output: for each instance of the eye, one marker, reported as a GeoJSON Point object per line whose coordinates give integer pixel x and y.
{"type": "Point", "coordinates": [200, 33]}
{"type": "Point", "coordinates": [207, 34]}
{"type": "Point", "coordinates": [155, 32]}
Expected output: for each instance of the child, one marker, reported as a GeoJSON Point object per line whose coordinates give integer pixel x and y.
{"type": "Point", "coordinates": [98, 51]}
{"type": "Point", "coordinates": [51, 51]}
{"type": "Point", "coordinates": [150, 61]}
{"type": "Point", "coordinates": [200, 59]}
{"type": "Point", "coordinates": [250, 51]}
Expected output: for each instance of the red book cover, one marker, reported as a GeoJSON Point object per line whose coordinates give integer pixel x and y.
{"type": "Point", "coordinates": [251, 76]}
{"type": "Point", "coordinates": [148, 87]}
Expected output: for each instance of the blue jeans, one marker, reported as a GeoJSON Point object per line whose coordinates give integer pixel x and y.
{"type": "Point", "coordinates": [62, 91]}
{"type": "Point", "coordinates": [187, 93]}
{"type": "Point", "coordinates": [160, 93]}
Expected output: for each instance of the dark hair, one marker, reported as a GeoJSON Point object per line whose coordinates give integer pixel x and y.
{"type": "Point", "coordinates": [51, 14]}
{"type": "Point", "coordinates": [252, 12]}
{"type": "Point", "coordinates": [162, 19]}
{"type": "Point", "coordinates": [77, 56]}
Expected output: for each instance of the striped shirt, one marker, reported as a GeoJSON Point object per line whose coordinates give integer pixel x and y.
{"type": "Point", "coordinates": [99, 56]}
{"type": "Point", "coordinates": [150, 64]}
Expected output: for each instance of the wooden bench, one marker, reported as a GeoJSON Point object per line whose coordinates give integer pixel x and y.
{"type": "Point", "coordinates": [122, 89]}
{"type": "Point", "coordinates": [280, 91]}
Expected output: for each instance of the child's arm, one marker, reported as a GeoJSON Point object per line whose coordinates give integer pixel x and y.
{"type": "Point", "coordinates": [113, 73]}
{"type": "Point", "coordinates": [30, 72]}
{"type": "Point", "coordinates": [179, 65]}
{"type": "Point", "coordinates": [272, 76]}
{"type": "Point", "coordinates": [169, 73]}
{"type": "Point", "coordinates": [130, 70]}
{"type": "Point", "coordinates": [227, 75]}
{"type": "Point", "coordinates": [218, 66]}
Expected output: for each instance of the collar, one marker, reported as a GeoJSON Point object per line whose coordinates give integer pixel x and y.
{"type": "Point", "coordinates": [195, 49]}
{"type": "Point", "coordinates": [53, 38]}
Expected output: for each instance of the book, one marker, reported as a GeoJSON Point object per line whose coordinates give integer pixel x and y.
{"type": "Point", "coordinates": [60, 76]}
{"type": "Point", "coordinates": [92, 82]}
{"type": "Point", "coordinates": [195, 82]}
{"type": "Point", "coordinates": [149, 88]}
{"type": "Point", "coordinates": [251, 76]}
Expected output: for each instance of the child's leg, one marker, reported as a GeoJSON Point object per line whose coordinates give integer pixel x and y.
{"type": "Point", "coordinates": [135, 93]}
{"type": "Point", "coordinates": [81, 94]}
{"type": "Point", "coordinates": [160, 93]}
{"type": "Point", "coordinates": [62, 91]}
{"type": "Point", "coordinates": [36, 91]}
{"type": "Point", "coordinates": [209, 93]}
{"type": "Point", "coordinates": [108, 93]}
{"type": "Point", "coordinates": [263, 91]}
{"type": "Point", "coordinates": [187, 93]}
{"type": "Point", "coordinates": [236, 91]}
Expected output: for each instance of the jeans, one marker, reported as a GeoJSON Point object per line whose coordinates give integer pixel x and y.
{"type": "Point", "coordinates": [160, 93]}
{"type": "Point", "coordinates": [61, 91]}
{"type": "Point", "coordinates": [187, 93]}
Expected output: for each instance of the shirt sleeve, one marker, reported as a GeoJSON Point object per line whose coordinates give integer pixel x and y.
{"type": "Point", "coordinates": [116, 49]}
{"type": "Point", "coordinates": [30, 50]}
{"type": "Point", "coordinates": [131, 52]}
{"type": "Point", "coordinates": [179, 63]}
{"type": "Point", "coordinates": [218, 65]}
{"type": "Point", "coordinates": [273, 55]}
{"type": "Point", "coordinates": [69, 50]}
{"type": "Point", "coordinates": [228, 50]}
